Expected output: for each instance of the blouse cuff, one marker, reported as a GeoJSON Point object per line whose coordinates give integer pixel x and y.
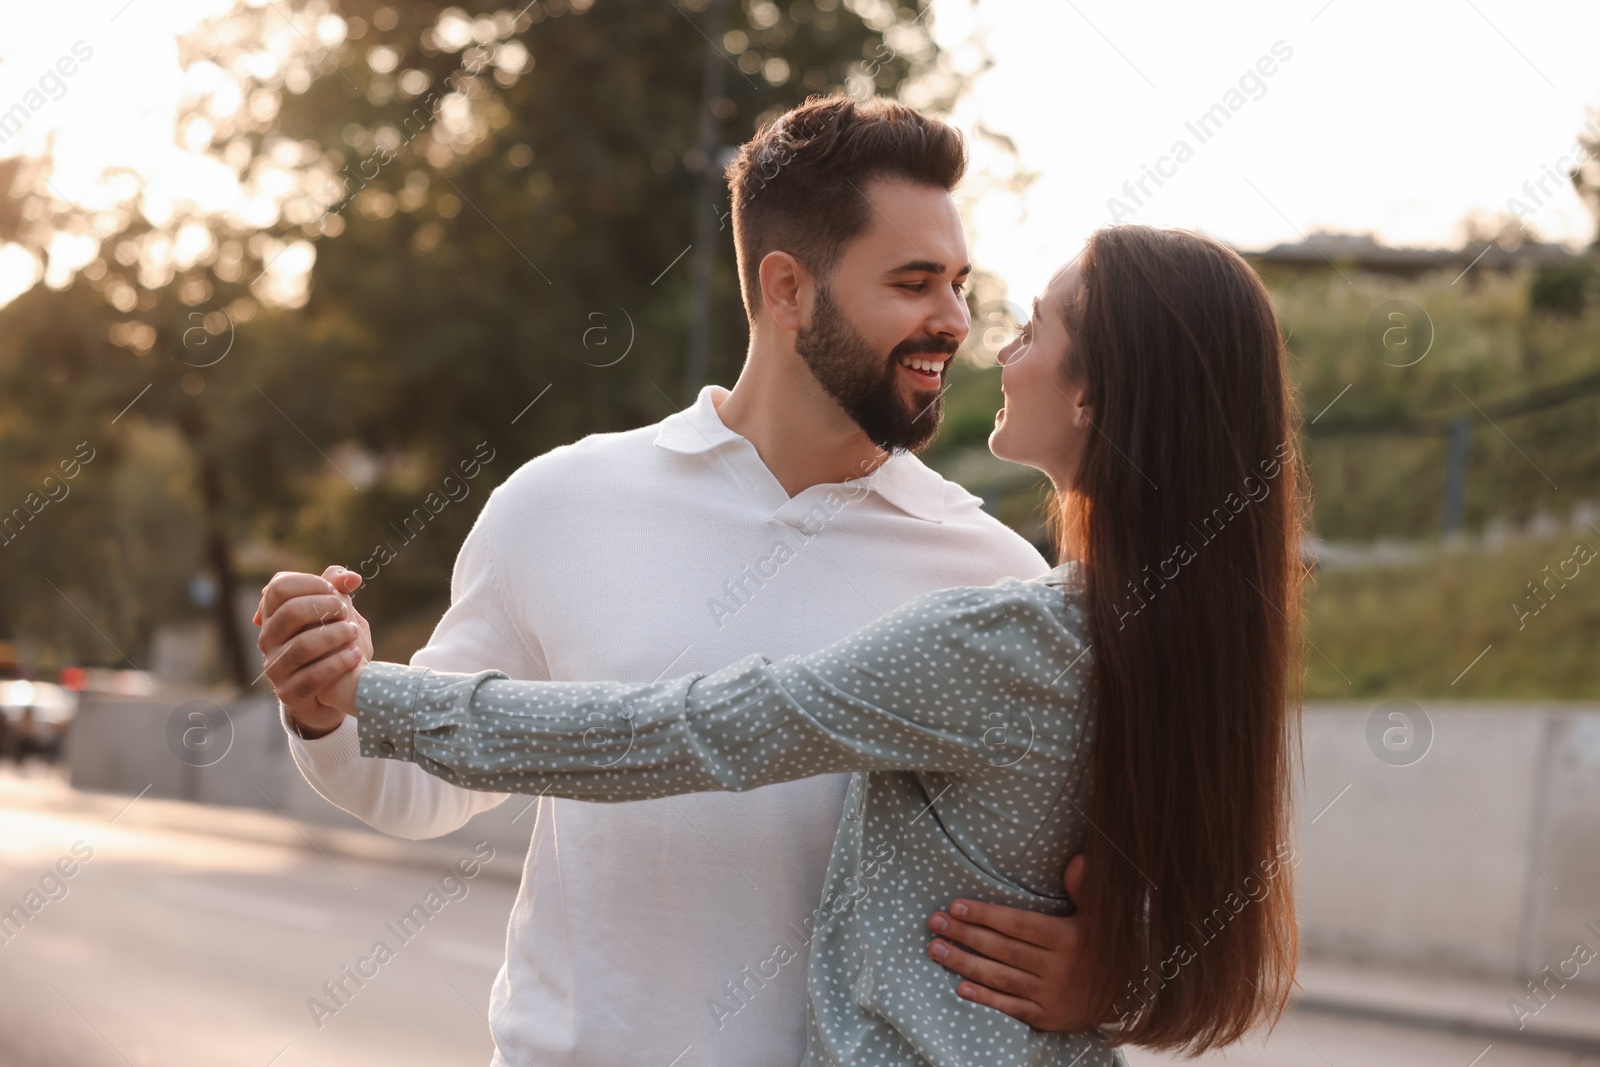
{"type": "Point", "coordinates": [387, 708]}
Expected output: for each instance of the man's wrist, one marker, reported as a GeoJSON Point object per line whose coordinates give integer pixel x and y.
{"type": "Point", "coordinates": [304, 732]}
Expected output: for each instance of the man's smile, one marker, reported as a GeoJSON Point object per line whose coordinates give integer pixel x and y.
{"type": "Point", "coordinates": [925, 369]}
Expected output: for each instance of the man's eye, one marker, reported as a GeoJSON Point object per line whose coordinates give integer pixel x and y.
{"type": "Point", "coordinates": [915, 287]}
{"type": "Point", "coordinates": [959, 287]}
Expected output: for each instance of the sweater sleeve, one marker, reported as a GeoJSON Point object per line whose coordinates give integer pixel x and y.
{"type": "Point", "coordinates": [922, 687]}
{"type": "Point", "coordinates": [478, 631]}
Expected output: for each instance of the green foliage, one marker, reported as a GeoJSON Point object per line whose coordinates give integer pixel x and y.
{"type": "Point", "coordinates": [1563, 290]}
{"type": "Point", "coordinates": [1411, 632]}
{"type": "Point", "coordinates": [1378, 451]}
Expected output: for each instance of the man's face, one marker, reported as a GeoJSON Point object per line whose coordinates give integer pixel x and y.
{"type": "Point", "coordinates": [885, 323]}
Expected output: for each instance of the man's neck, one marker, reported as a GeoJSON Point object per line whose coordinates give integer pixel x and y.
{"type": "Point", "coordinates": [798, 430]}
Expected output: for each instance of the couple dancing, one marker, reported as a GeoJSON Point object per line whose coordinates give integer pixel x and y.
{"type": "Point", "coordinates": [897, 791]}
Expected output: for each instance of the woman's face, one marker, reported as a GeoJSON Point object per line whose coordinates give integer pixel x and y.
{"type": "Point", "coordinates": [1043, 424]}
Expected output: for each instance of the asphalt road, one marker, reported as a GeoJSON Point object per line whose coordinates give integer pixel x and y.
{"type": "Point", "coordinates": [179, 948]}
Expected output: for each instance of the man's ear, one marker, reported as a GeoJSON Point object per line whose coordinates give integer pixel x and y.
{"type": "Point", "coordinates": [786, 289]}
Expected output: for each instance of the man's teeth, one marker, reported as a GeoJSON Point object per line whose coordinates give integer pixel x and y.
{"type": "Point", "coordinates": [931, 365]}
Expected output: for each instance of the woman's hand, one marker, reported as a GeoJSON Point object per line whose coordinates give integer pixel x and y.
{"type": "Point", "coordinates": [1031, 972]}
{"type": "Point", "coordinates": [314, 644]}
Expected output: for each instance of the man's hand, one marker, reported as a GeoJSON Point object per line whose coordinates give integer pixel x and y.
{"type": "Point", "coordinates": [314, 644]}
{"type": "Point", "coordinates": [1031, 969]}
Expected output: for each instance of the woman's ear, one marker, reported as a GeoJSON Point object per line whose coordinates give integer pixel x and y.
{"type": "Point", "coordinates": [1082, 412]}
{"type": "Point", "coordinates": [785, 288]}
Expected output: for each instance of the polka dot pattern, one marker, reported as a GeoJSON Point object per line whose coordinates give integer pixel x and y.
{"type": "Point", "coordinates": [965, 716]}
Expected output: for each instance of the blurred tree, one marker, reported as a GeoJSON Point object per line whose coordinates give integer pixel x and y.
{"type": "Point", "coordinates": [1564, 289]}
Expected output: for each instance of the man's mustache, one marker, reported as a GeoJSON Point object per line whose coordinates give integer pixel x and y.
{"type": "Point", "coordinates": [917, 346]}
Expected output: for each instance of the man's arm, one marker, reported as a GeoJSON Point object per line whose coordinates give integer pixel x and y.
{"type": "Point", "coordinates": [476, 633]}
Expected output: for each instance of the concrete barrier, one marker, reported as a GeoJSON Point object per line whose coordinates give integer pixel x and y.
{"type": "Point", "coordinates": [1482, 857]}
{"type": "Point", "coordinates": [129, 745]}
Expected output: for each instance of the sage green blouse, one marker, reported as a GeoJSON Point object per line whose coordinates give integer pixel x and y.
{"type": "Point", "coordinates": [965, 715]}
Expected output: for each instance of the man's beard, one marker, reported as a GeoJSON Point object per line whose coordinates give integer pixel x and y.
{"type": "Point", "coordinates": [850, 371]}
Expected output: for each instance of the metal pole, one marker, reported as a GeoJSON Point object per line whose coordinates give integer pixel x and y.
{"type": "Point", "coordinates": [1455, 478]}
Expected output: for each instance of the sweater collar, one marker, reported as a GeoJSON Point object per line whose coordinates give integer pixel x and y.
{"type": "Point", "coordinates": [902, 480]}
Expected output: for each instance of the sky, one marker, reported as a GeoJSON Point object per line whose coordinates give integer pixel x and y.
{"type": "Point", "coordinates": [1398, 119]}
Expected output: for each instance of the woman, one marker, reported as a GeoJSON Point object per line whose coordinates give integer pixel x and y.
{"type": "Point", "coordinates": [1140, 690]}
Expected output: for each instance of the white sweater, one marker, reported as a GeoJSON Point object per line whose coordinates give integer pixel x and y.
{"type": "Point", "coordinates": [643, 555]}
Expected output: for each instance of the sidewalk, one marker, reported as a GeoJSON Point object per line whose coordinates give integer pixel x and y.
{"type": "Point", "coordinates": [1570, 1021]}
{"type": "Point", "coordinates": [43, 788]}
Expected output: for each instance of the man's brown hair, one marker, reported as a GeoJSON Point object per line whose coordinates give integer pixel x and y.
{"type": "Point", "coordinates": [798, 184]}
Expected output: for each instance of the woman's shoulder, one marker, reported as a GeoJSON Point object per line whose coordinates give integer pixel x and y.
{"type": "Point", "coordinates": [1067, 577]}
{"type": "Point", "coordinates": [1067, 574]}
{"type": "Point", "coordinates": [1053, 598]}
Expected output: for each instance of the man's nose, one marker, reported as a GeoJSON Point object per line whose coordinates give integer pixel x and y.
{"type": "Point", "coordinates": [951, 319]}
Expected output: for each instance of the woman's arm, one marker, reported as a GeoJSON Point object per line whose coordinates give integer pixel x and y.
{"type": "Point", "coordinates": [922, 688]}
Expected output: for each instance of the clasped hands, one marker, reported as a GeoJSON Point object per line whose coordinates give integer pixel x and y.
{"type": "Point", "coordinates": [314, 643]}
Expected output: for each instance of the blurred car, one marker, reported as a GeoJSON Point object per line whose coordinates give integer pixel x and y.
{"type": "Point", "coordinates": [34, 718]}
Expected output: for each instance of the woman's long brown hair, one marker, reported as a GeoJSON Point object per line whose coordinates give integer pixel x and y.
{"type": "Point", "coordinates": [1186, 512]}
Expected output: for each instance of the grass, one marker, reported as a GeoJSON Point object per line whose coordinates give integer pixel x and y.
{"type": "Point", "coordinates": [1413, 631]}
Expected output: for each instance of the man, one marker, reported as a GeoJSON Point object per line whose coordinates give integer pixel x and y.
{"type": "Point", "coordinates": [774, 518]}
